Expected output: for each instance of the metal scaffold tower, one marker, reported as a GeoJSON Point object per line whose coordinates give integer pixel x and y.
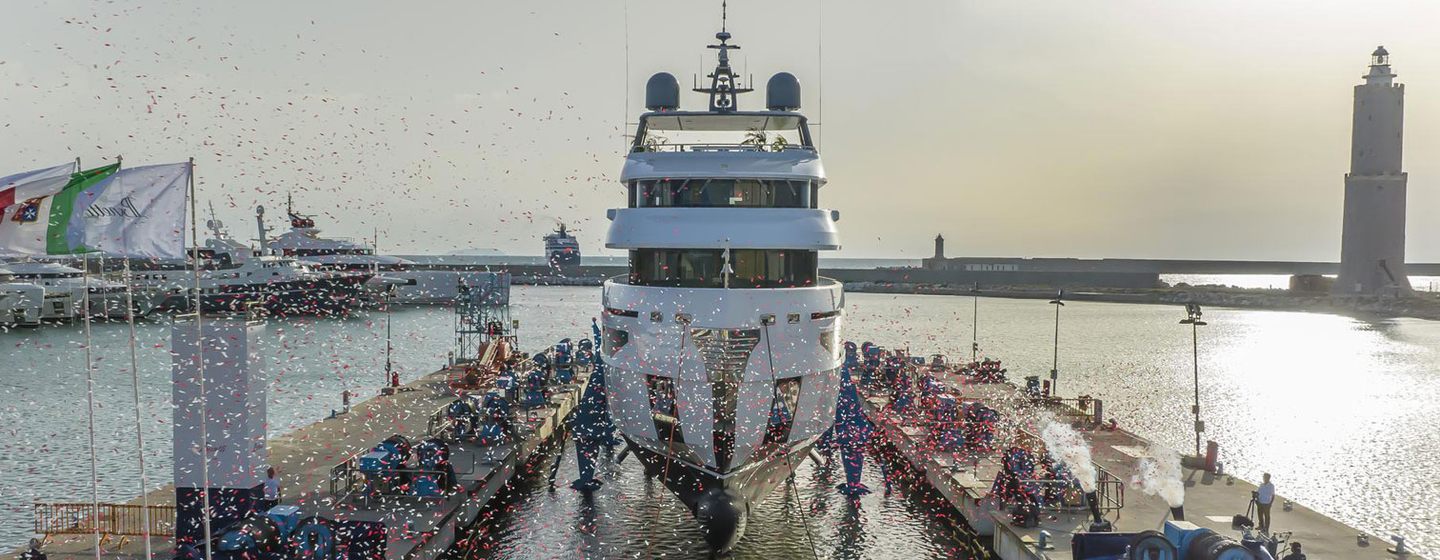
{"type": "Point", "coordinates": [482, 315]}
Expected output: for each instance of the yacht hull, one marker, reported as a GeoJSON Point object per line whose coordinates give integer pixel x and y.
{"type": "Point", "coordinates": [308, 296]}
{"type": "Point", "coordinates": [721, 504]}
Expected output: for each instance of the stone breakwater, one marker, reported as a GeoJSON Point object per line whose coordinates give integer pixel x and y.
{"type": "Point", "coordinates": [1420, 306]}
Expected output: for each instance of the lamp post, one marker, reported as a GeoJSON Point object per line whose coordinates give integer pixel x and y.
{"type": "Point", "coordinates": [1055, 358]}
{"type": "Point", "coordinates": [1192, 318]}
{"type": "Point", "coordinates": [390, 379]}
{"type": "Point", "coordinates": [974, 322]}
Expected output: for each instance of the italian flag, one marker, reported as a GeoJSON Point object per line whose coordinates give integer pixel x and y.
{"type": "Point", "coordinates": [36, 224]}
{"type": "Point", "coordinates": [30, 184]}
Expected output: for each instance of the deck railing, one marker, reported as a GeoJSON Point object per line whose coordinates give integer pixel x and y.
{"type": "Point", "coordinates": [111, 519]}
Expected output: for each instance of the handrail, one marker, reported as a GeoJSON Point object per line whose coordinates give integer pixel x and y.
{"type": "Point", "coordinates": [717, 147]}
{"type": "Point", "coordinates": [110, 519]}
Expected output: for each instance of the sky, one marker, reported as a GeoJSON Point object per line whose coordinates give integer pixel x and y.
{"type": "Point", "coordinates": [1187, 129]}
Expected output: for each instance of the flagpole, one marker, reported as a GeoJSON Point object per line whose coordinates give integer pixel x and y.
{"type": "Point", "coordinates": [90, 401]}
{"type": "Point", "coordinates": [200, 353]}
{"type": "Point", "coordinates": [135, 384]}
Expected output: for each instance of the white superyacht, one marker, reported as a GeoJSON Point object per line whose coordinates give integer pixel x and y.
{"type": "Point", "coordinates": [723, 338]}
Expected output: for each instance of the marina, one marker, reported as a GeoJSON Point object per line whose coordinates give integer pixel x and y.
{"type": "Point", "coordinates": [1091, 361]}
{"type": "Point", "coordinates": [971, 476]}
{"type": "Point", "coordinates": [695, 365]}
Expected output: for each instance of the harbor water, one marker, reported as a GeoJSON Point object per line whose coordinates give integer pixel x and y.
{"type": "Point", "coordinates": [1340, 410]}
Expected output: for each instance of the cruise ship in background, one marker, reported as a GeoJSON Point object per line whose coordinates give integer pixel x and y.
{"type": "Point", "coordinates": [562, 250]}
{"type": "Point", "coordinates": [723, 339]}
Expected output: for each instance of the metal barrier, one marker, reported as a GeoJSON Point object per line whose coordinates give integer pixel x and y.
{"type": "Point", "coordinates": [111, 519]}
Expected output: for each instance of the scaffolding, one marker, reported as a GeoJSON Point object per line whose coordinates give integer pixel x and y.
{"type": "Point", "coordinates": [482, 314]}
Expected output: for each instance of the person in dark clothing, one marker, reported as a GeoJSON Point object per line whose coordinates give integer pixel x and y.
{"type": "Point", "coordinates": [1295, 553]}
{"type": "Point", "coordinates": [33, 552]}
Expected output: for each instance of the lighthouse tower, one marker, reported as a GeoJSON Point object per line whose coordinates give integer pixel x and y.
{"type": "Point", "coordinates": [1372, 245]}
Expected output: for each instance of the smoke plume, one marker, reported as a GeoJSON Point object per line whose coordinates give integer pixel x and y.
{"type": "Point", "coordinates": [1158, 473]}
{"type": "Point", "coordinates": [1067, 446]}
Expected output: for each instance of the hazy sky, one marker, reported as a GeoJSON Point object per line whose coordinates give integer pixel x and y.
{"type": "Point", "coordinates": [1215, 129]}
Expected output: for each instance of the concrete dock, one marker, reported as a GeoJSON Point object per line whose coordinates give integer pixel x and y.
{"type": "Point", "coordinates": [1211, 500]}
{"type": "Point", "coordinates": [309, 459]}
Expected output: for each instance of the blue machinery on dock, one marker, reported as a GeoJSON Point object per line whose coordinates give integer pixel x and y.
{"type": "Point", "coordinates": [1180, 541]}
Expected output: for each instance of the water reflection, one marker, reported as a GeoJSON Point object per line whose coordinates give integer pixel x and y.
{"type": "Point", "coordinates": [632, 516]}
{"type": "Point", "coordinates": [1341, 410]}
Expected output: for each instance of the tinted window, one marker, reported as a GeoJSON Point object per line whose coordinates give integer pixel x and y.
{"type": "Point", "coordinates": [711, 193]}
{"type": "Point", "coordinates": [701, 268]}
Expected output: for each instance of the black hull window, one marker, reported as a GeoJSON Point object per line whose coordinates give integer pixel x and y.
{"type": "Point", "coordinates": [702, 268]}
{"type": "Point", "coordinates": [665, 410]}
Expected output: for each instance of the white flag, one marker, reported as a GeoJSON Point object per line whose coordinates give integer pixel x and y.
{"type": "Point", "coordinates": [30, 184]}
{"type": "Point", "coordinates": [137, 212]}
{"type": "Point", "coordinates": [25, 208]}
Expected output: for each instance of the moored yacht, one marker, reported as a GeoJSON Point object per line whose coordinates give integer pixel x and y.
{"type": "Point", "coordinates": [407, 282]}
{"type": "Point", "coordinates": [50, 291]}
{"type": "Point", "coordinates": [234, 277]}
{"type": "Point", "coordinates": [722, 341]}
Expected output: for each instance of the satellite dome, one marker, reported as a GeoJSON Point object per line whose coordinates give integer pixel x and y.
{"type": "Point", "coordinates": [662, 92]}
{"type": "Point", "coordinates": [782, 92]}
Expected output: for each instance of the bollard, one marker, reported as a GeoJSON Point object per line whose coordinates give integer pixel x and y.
{"type": "Point", "coordinates": [1399, 549]}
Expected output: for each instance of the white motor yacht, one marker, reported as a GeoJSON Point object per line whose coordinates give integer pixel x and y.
{"type": "Point", "coordinates": [235, 277]}
{"type": "Point", "coordinates": [410, 283]}
{"type": "Point", "coordinates": [50, 291]}
{"type": "Point", "coordinates": [722, 340]}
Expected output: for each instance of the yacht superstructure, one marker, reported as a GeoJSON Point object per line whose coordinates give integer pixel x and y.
{"type": "Point", "coordinates": [723, 338]}
{"type": "Point", "coordinates": [405, 281]}
{"type": "Point", "coordinates": [233, 277]}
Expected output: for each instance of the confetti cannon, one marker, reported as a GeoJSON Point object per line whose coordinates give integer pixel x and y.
{"type": "Point", "coordinates": [872, 355]}
{"type": "Point", "coordinates": [383, 467]}
{"type": "Point", "coordinates": [534, 394]}
{"type": "Point", "coordinates": [279, 534]}
{"type": "Point", "coordinates": [494, 427]}
{"type": "Point", "coordinates": [585, 353]}
{"type": "Point", "coordinates": [949, 432]}
{"type": "Point", "coordinates": [564, 361]}
{"type": "Point", "coordinates": [464, 415]}
{"type": "Point", "coordinates": [435, 475]}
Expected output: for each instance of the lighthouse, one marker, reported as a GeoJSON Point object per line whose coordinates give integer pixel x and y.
{"type": "Point", "coordinates": [1372, 244]}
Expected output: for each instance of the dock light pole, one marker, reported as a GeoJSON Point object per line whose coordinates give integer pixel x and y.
{"type": "Point", "coordinates": [1192, 318]}
{"type": "Point", "coordinates": [974, 322]}
{"type": "Point", "coordinates": [1055, 358]}
{"type": "Point", "coordinates": [390, 379]}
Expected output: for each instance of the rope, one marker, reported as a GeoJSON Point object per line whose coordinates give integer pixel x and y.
{"type": "Point", "coordinates": [670, 445]}
{"type": "Point", "coordinates": [785, 454]}
{"type": "Point", "coordinates": [90, 401]}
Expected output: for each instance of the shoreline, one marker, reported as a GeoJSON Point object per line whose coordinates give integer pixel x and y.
{"type": "Point", "coordinates": [1417, 306]}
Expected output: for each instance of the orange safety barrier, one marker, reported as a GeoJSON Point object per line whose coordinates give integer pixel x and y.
{"type": "Point", "coordinates": [112, 519]}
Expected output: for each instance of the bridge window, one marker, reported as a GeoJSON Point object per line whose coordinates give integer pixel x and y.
{"type": "Point", "coordinates": [719, 193]}
{"type": "Point", "coordinates": [701, 268]}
